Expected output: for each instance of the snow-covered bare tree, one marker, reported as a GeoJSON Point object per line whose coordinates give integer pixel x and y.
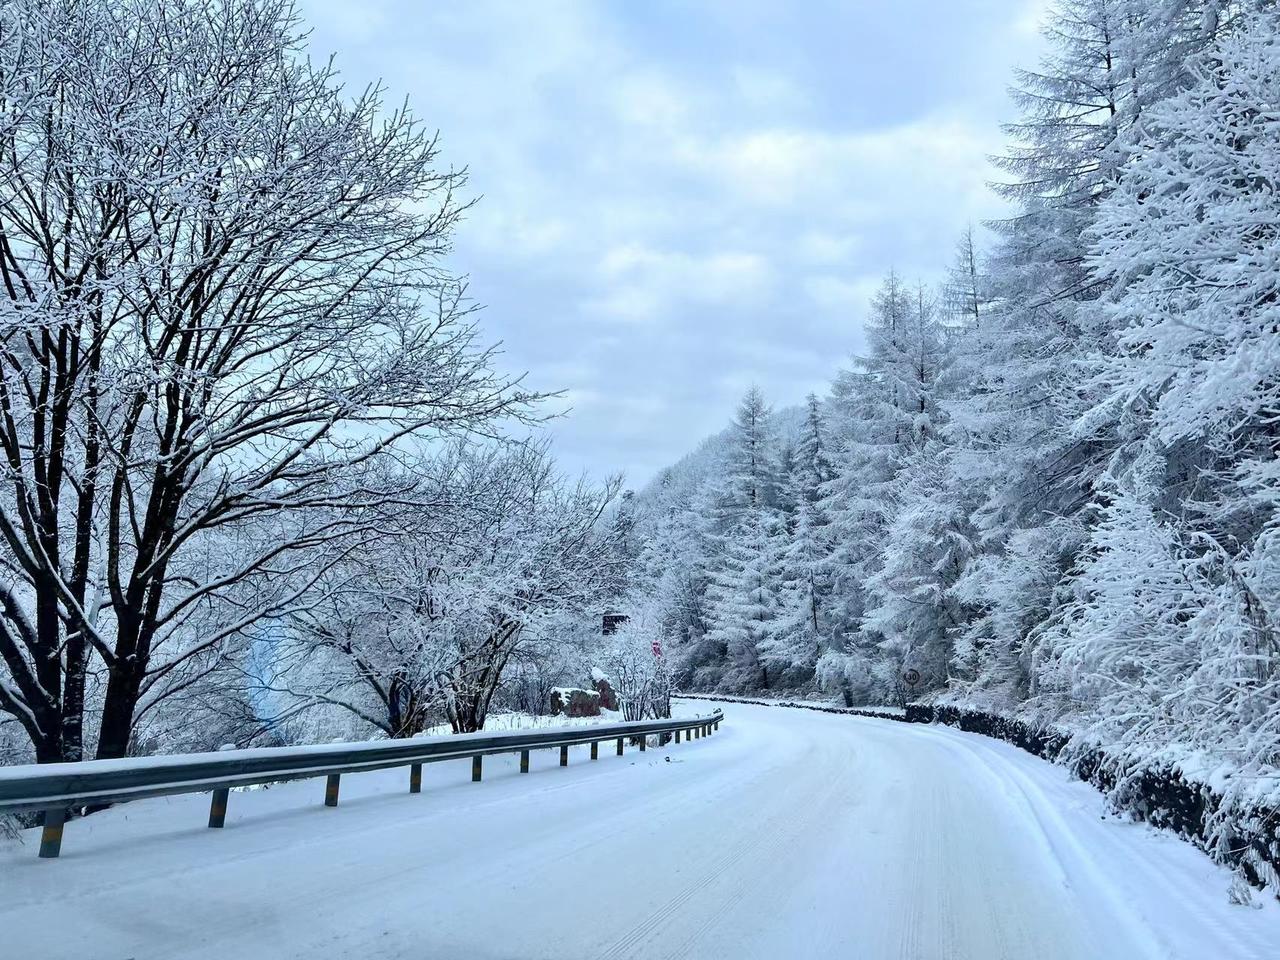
{"type": "Point", "coordinates": [488, 556]}
{"type": "Point", "coordinates": [222, 296]}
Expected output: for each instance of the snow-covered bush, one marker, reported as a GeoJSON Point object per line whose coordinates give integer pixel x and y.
{"type": "Point", "coordinates": [633, 661]}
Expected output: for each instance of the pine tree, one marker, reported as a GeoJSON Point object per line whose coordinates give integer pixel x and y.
{"type": "Point", "coordinates": [1178, 600]}
{"type": "Point", "coordinates": [927, 544]}
{"type": "Point", "coordinates": [671, 584]}
{"type": "Point", "coordinates": [744, 600]}
{"type": "Point", "coordinates": [748, 539]}
{"type": "Point", "coordinates": [751, 468]}
{"type": "Point", "coordinates": [920, 552]}
{"type": "Point", "coordinates": [801, 638]}
{"type": "Point", "coordinates": [965, 297]}
{"type": "Point", "coordinates": [886, 411]}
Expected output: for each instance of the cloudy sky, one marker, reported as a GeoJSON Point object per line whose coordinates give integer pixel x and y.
{"type": "Point", "coordinates": [679, 199]}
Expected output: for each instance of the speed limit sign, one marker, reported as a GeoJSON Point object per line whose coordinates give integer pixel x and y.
{"type": "Point", "coordinates": [911, 677]}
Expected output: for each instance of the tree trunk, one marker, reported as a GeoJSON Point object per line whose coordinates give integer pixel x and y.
{"type": "Point", "coordinates": [123, 685]}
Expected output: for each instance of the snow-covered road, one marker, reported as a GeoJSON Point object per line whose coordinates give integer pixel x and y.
{"type": "Point", "coordinates": [789, 834]}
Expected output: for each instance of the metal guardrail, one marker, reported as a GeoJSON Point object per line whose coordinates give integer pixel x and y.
{"type": "Point", "coordinates": [54, 788]}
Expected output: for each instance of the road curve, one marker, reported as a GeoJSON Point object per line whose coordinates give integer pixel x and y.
{"type": "Point", "coordinates": [789, 834]}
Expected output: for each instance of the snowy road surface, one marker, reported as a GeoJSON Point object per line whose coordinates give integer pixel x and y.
{"type": "Point", "coordinates": [789, 834]}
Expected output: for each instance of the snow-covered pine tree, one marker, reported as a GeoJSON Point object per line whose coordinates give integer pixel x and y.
{"type": "Point", "coordinates": [745, 602]}
{"type": "Point", "coordinates": [964, 293]}
{"type": "Point", "coordinates": [1028, 364]}
{"type": "Point", "coordinates": [925, 541]}
{"type": "Point", "coordinates": [745, 578]}
{"type": "Point", "coordinates": [750, 480]}
{"type": "Point", "coordinates": [1189, 246]}
{"type": "Point", "coordinates": [801, 638]}
{"type": "Point", "coordinates": [669, 590]}
{"type": "Point", "coordinates": [875, 415]}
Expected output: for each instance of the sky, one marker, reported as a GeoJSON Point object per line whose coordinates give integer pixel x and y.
{"type": "Point", "coordinates": [677, 200]}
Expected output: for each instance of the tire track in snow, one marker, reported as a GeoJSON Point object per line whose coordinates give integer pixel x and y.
{"type": "Point", "coordinates": [790, 822]}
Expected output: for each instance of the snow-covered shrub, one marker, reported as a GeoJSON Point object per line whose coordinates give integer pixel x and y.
{"type": "Point", "coordinates": [631, 659]}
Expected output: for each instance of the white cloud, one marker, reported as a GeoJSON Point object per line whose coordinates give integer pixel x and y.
{"type": "Point", "coordinates": [650, 99]}
{"type": "Point", "coordinates": [839, 295]}
{"type": "Point", "coordinates": [665, 220]}
{"type": "Point", "coordinates": [764, 89]}
{"type": "Point", "coordinates": [822, 247]}
{"type": "Point", "coordinates": [643, 284]}
{"type": "Point", "coordinates": [893, 171]}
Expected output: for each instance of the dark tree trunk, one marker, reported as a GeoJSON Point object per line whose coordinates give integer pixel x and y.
{"type": "Point", "coordinates": [406, 717]}
{"type": "Point", "coordinates": [123, 686]}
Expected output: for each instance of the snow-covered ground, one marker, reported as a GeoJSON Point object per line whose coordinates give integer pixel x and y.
{"type": "Point", "coordinates": [503, 722]}
{"type": "Point", "coordinates": [789, 834]}
{"type": "Point", "coordinates": [809, 700]}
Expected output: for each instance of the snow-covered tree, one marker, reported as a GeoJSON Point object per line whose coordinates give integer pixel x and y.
{"type": "Point", "coordinates": [670, 587]}
{"type": "Point", "coordinates": [745, 604]}
{"type": "Point", "coordinates": [965, 296]}
{"type": "Point", "coordinates": [802, 634]}
{"type": "Point", "coordinates": [634, 661]}
{"type": "Point", "coordinates": [751, 470]}
{"type": "Point", "coordinates": [489, 557]}
{"type": "Point", "coordinates": [1177, 605]}
{"type": "Point", "coordinates": [927, 545]}
{"type": "Point", "coordinates": [744, 567]}
{"type": "Point", "coordinates": [886, 413]}
{"type": "Point", "coordinates": [209, 327]}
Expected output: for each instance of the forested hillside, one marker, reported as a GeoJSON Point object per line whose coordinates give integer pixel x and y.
{"type": "Point", "coordinates": [1049, 485]}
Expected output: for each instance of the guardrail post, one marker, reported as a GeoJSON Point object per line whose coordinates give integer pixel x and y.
{"type": "Point", "coordinates": [644, 741]}
{"type": "Point", "coordinates": [524, 761]}
{"type": "Point", "coordinates": [619, 746]}
{"type": "Point", "coordinates": [51, 835]}
{"type": "Point", "coordinates": [218, 807]}
{"type": "Point", "coordinates": [415, 778]}
{"type": "Point", "coordinates": [476, 768]}
{"type": "Point", "coordinates": [564, 754]}
{"type": "Point", "coordinates": [331, 789]}
{"type": "Point", "coordinates": [717, 726]}
{"type": "Point", "coordinates": [595, 749]}
{"type": "Point", "coordinates": [677, 736]}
